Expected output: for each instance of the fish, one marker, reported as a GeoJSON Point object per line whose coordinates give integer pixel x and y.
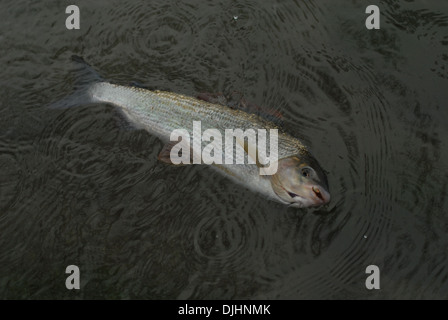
{"type": "Point", "coordinates": [299, 181]}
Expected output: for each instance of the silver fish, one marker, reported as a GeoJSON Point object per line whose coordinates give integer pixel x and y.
{"type": "Point", "coordinates": [299, 180]}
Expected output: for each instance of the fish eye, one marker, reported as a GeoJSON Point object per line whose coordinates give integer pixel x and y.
{"type": "Point", "coordinates": [306, 172]}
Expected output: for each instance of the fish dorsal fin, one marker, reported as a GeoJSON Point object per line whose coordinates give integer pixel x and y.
{"type": "Point", "coordinates": [236, 100]}
{"type": "Point", "coordinates": [139, 85]}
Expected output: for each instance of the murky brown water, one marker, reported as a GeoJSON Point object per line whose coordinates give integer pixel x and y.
{"type": "Point", "coordinates": [77, 188]}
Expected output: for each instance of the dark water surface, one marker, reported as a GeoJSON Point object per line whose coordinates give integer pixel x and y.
{"type": "Point", "coordinates": [77, 188]}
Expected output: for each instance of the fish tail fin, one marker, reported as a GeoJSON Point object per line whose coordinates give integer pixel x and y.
{"type": "Point", "coordinates": [87, 77]}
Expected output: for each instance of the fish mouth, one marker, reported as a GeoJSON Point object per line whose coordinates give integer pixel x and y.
{"type": "Point", "coordinates": [321, 195]}
{"type": "Point", "coordinates": [317, 193]}
{"type": "Point", "coordinates": [304, 195]}
{"type": "Point", "coordinates": [314, 199]}
{"type": "Point", "coordinates": [317, 196]}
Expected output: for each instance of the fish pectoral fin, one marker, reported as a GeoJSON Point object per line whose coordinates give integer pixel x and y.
{"type": "Point", "coordinates": [165, 154]}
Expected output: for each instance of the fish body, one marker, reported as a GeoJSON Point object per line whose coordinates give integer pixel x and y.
{"type": "Point", "coordinates": [299, 180]}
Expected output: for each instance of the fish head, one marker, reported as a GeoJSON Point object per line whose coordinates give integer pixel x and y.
{"type": "Point", "coordinates": [301, 182]}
